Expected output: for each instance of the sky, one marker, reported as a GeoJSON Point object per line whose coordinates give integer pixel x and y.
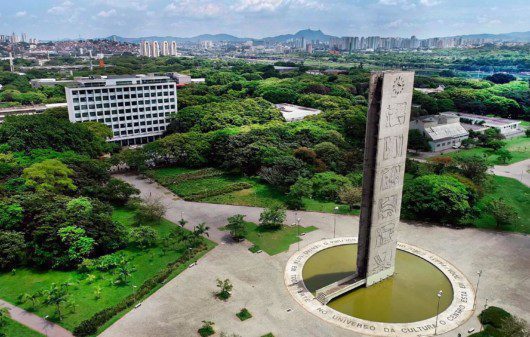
{"type": "Point", "coordinates": [58, 19]}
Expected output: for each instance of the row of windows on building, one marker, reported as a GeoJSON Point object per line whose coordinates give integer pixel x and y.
{"type": "Point", "coordinates": [126, 96]}
{"type": "Point", "coordinates": [123, 116]}
{"type": "Point", "coordinates": [124, 104]}
{"type": "Point", "coordinates": [124, 89]}
{"type": "Point", "coordinates": [139, 131]}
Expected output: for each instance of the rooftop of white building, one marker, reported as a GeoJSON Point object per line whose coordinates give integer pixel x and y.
{"type": "Point", "coordinates": [293, 112]}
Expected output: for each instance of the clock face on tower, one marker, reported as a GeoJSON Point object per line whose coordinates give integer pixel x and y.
{"type": "Point", "coordinates": [398, 86]}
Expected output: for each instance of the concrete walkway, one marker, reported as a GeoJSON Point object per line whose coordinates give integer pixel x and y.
{"type": "Point", "coordinates": [178, 308]}
{"type": "Point", "coordinates": [519, 171]}
{"type": "Point", "coordinates": [35, 322]}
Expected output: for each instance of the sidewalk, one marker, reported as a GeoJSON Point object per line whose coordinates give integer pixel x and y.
{"type": "Point", "coordinates": [35, 322]}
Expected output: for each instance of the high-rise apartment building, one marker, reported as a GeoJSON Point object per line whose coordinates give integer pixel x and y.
{"type": "Point", "coordinates": [165, 48]}
{"type": "Point", "coordinates": [145, 49]}
{"type": "Point", "coordinates": [173, 48]}
{"type": "Point", "coordinates": [155, 49]}
{"type": "Point", "coordinates": [136, 108]}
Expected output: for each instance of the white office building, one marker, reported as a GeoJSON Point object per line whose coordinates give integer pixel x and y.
{"type": "Point", "coordinates": [136, 107]}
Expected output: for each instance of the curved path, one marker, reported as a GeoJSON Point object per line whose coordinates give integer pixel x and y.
{"type": "Point", "coordinates": [519, 171]}
{"type": "Point", "coordinates": [35, 322]}
{"type": "Point", "coordinates": [178, 308]}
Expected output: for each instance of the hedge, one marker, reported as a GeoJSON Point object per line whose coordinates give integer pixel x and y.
{"type": "Point", "coordinates": [91, 325]}
{"type": "Point", "coordinates": [199, 174]}
{"type": "Point", "coordinates": [220, 191]}
{"type": "Point", "coordinates": [493, 316]}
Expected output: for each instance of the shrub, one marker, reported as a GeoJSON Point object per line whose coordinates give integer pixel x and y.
{"type": "Point", "coordinates": [351, 196]}
{"type": "Point", "coordinates": [438, 198]}
{"type": "Point", "coordinates": [143, 237]}
{"type": "Point", "coordinates": [219, 191]}
{"type": "Point", "coordinates": [225, 287]}
{"type": "Point", "coordinates": [493, 316]}
{"type": "Point", "coordinates": [12, 249]}
{"type": "Point", "coordinates": [503, 213]}
{"type": "Point", "coordinates": [326, 185]}
{"type": "Point", "coordinates": [152, 210]}
{"type": "Point", "coordinates": [244, 314]}
{"type": "Point", "coordinates": [272, 218]}
{"type": "Point", "coordinates": [206, 329]}
{"type": "Point", "coordinates": [90, 326]}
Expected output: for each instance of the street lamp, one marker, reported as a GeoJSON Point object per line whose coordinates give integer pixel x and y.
{"type": "Point", "coordinates": [479, 273]}
{"type": "Point", "coordinates": [335, 219]}
{"type": "Point", "coordinates": [440, 293]}
{"type": "Point", "coordinates": [298, 231]}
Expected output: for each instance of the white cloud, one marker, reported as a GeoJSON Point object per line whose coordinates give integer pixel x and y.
{"type": "Point", "coordinates": [61, 9]}
{"type": "Point", "coordinates": [126, 4]}
{"type": "Point", "coordinates": [430, 3]}
{"type": "Point", "coordinates": [107, 14]}
{"type": "Point", "coordinates": [258, 5]}
{"type": "Point", "coordinates": [21, 14]}
{"type": "Point", "coordinates": [193, 8]}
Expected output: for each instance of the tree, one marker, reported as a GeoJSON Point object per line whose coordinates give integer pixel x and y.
{"type": "Point", "coordinates": [12, 249]}
{"type": "Point", "coordinates": [417, 141]}
{"type": "Point", "coordinates": [4, 319]}
{"type": "Point", "coordinates": [99, 130]}
{"type": "Point", "coordinates": [351, 196]}
{"type": "Point", "coordinates": [225, 288]}
{"type": "Point", "coordinates": [117, 192]}
{"type": "Point", "coordinates": [49, 175]}
{"type": "Point", "coordinates": [11, 215]}
{"type": "Point", "coordinates": [79, 245]}
{"type": "Point", "coordinates": [272, 218]}
{"type": "Point", "coordinates": [504, 155]}
{"type": "Point", "coordinates": [303, 188]}
{"type": "Point", "coordinates": [328, 152]}
{"type": "Point", "coordinates": [503, 213]}
{"type": "Point", "coordinates": [473, 167]}
{"type": "Point", "coordinates": [439, 198]}
{"type": "Point", "coordinates": [206, 329]}
{"type": "Point", "coordinates": [123, 273]}
{"type": "Point", "coordinates": [514, 327]}
{"type": "Point", "coordinates": [150, 211]}
{"type": "Point", "coordinates": [236, 226]}
{"type": "Point", "coordinates": [143, 237]}
{"type": "Point", "coordinates": [58, 296]}
{"type": "Point", "coordinates": [500, 78]}
{"type": "Point", "coordinates": [34, 297]}
{"type": "Point", "coordinates": [326, 185]}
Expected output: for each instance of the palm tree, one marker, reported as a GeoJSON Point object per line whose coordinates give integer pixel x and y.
{"type": "Point", "coordinates": [201, 229]}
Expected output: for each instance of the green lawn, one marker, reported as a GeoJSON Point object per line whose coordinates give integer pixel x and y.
{"type": "Point", "coordinates": [519, 148]}
{"type": "Point", "coordinates": [274, 242]}
{"type": "Point", "coordinates": [15, 329]}
{"type": "Point", "coordinates": [512, 192]}
{"type": "Point", "coordinates": [258, 194]}
{"type": "Point", "coordinates": [146, 263]}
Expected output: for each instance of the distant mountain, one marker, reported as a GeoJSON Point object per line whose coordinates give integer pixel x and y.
{"type": "Point", "coordinates": [308, 34]}
{"type": "Point", "coordinates": [507, 37]}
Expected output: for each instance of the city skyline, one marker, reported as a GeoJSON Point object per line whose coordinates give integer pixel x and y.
{"type": "Point", "coordinates": [52, 19]}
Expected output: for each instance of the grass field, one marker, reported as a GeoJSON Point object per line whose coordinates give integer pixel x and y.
{"type": "Point", "coordinates": [258, 194]}
{"type": "Point", "coordinates": [512, 192]}
{"type": "Point", "coordinates": [274, 241]}
{"type": "Point", "coordinates": [519, 148]}
{"type": "Point", "coordinates": [15, 329]}
{"type": "Point", "coordinates": [146, 263]}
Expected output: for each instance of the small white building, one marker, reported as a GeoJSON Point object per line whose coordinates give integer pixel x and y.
{"type": "Point", "coordinates": [443, 132]}
{"type": "Point", "coordinates": [293, 113]}
{"type": "Point", "coordinates": [509, 128]}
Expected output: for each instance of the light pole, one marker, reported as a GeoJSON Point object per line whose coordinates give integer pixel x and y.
{"type": "Point", "coordinates": [298, 231]}
{"type": "Point", "coordinates": [335, 219]}
{"type": "Point", "coordinates": [440, 293]}
{"type": "Point", "coordinates": [479, 273]}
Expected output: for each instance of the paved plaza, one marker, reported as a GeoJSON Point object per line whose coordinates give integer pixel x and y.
{"type": "Point", "coordinates": [178, 308]}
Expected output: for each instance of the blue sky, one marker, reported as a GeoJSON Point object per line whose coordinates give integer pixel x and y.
{"type": "Point", "coordinates": [52, 19]}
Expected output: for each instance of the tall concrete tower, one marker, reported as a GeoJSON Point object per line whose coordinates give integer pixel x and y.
{"type": "Point", "coordinates": [173, 48]}
{"type": "Point", "coordinates": [155, 49]}
{"type": "Point", "coordinates": [165, 48]}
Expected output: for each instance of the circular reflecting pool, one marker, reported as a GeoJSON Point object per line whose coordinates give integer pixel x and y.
{"type": "Point", "coordinates": [408, 296]}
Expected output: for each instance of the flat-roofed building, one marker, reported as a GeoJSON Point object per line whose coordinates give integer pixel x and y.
{"type": "Point", "coordinates": [442, 132]}
{"type": "Point", "coordinates": [136, 107]}
{"type": "Point", "coordinates": [509, 128]}
{"type": "Point", "coordinates": [293, 113]}
{"type": "Point", "coordinates": [28, 110]}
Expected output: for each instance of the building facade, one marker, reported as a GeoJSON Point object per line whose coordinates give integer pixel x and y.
{"type": "Point", "coordinates": [136, 108]}
{"type": "Point", "coordinates": [442, 132]}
